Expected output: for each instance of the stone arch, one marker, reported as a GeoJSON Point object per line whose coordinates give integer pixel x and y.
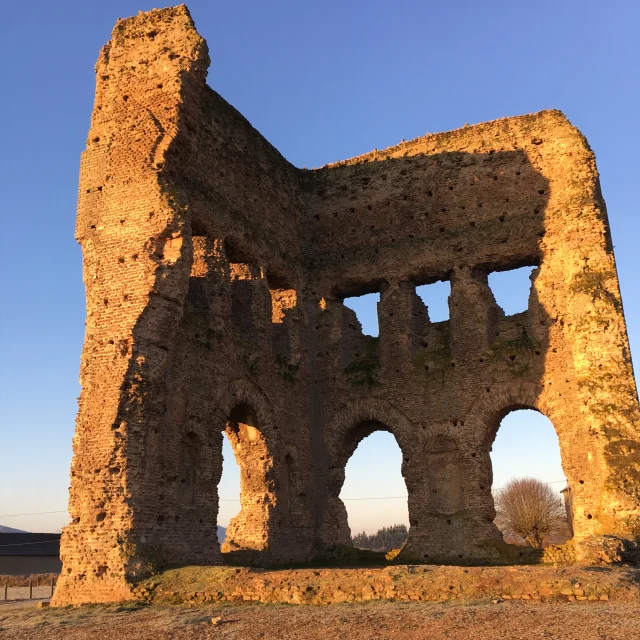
{"type": "Point", "coordinates": [482, 423]}
{"type": "Point", "coordinates": [349, 425]}
{"type": "Point", "coordinates": [364, 410]}
{"type": "Point", "coordinates": [244, 391]}
{"type": "Point", "coordinates": [193, 464]}
{"type": "Point", "coordinates": [492, 405]}
{"type": "Point", "coordinates": [437, 430]}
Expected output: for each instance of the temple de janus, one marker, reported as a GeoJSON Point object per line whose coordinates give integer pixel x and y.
{"type": "Point", "coordinates": [215, 275]}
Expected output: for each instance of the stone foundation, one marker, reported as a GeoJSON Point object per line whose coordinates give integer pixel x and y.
{"type": "Point", "coordinates": [198, 585]}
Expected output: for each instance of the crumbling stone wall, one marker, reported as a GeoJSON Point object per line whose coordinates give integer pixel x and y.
{"type": "Point", "coordinates": [199, 585]}
{"type": "Point", "coordinates": [215, 274]}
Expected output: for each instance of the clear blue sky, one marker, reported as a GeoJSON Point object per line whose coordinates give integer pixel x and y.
{"type": "Point", "coordinates": [322, 81]}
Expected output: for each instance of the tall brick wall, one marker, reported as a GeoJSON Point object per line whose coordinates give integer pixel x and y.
{"type": "Point", "coordinates": [215, 274]}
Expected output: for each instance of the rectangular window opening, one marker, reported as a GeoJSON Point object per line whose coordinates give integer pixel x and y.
{"type": "Point", "coordinates": [284, 298]}
{"type": "Point", "coordinates": [366, 310]}
{"type": "Point", "coordinates": [436, 298]}
{"type": "Point", "coordinates": [284, 314]}
{"type": "Point", "coordinates": [511, 289]}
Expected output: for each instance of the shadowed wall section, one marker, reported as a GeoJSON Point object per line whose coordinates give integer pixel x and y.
{"type": "Point", "coordinates": [215, 274]}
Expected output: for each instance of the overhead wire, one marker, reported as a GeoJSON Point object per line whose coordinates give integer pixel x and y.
{"type": "Point", "coordinates": [22, 544]}
{"type": "Point", "coordinates": [40, 513]}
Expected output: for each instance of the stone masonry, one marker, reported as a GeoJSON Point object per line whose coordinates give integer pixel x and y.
{"type": "Point", "coordinates": [215, 275]}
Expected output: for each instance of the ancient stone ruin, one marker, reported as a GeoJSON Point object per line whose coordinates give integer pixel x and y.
{"type": "Point", "coordinates": [215, 275]}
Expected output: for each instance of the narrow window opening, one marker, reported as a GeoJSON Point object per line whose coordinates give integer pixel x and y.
{"type": "Point", "coordinates": [247, 280]}
{"type": "Point", "coordinates": [196, 308]}
{"type": "Point", "coordinates": [244, 292]}
{"type": "Point", "coordinates": [527, 469]}
{"type": "Point", "coordinates": [511, 289]}
{"type": "Point", "coordinates": [436, 298]}
{"type": "Point", "coordinates": [284, 316]}
{"type": "Point", "coordinates": [197, 227]}
{"type": "Point", "coordinates": [237, 252]}
{"type": "Point", "coordinates": [228, 489]}
{"type": "Point", "coordinates": [285, 334]}
{"type": "Point", "coordinates": [375, 495]}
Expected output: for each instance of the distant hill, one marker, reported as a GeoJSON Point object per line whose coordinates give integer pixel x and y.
{"type": "Point", "coordinates": [4, 529]}
{"type": "Point", "coordinates": [222, 534]}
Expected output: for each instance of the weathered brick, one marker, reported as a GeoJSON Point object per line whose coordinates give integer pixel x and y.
{"type": "Point", "coordinates": [215, 273]}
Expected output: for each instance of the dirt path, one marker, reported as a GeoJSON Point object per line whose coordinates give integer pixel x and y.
{"type": "Point", "coordinates": [380, 620]}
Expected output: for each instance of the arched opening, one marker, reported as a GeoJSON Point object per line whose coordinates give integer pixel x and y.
{"type": "Point", "coordinates": [529, 485]}
{"type": "Point", "coordinates": [374, 492]}
{"type": "Point", "coordinates": [248, 529]}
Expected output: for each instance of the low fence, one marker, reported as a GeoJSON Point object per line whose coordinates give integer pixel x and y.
{"type": "Point", "coordinates": [35, 587]}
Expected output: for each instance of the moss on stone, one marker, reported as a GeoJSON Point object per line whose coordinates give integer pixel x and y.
{"type": "Point", "coordinates": [286, 369]}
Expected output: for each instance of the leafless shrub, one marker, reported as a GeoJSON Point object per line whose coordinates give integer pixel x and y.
{"type": "Point", "coordinates": [530, 509]}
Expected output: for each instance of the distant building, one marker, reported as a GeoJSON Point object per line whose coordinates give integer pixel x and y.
{"type": "Point", "coordinates": [24, 553]}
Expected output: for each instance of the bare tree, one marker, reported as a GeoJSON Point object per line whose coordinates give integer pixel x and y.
{"type": "Point", "coordinates": [528, 508]}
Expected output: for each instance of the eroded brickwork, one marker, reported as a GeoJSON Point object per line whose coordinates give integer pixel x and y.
{"type": "Point", "coordinates": [215, 273]}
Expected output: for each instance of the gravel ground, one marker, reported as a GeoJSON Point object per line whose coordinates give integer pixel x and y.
{"type": "Point", "coordinates": [380, 620]}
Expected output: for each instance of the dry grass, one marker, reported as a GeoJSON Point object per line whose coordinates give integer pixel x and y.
{"type": "Point", "coordinates": [203, 585]}
{"type": "Point", "coordinates": [388, 620]}
{"type": "Point", "coordinates": [38, 580]}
